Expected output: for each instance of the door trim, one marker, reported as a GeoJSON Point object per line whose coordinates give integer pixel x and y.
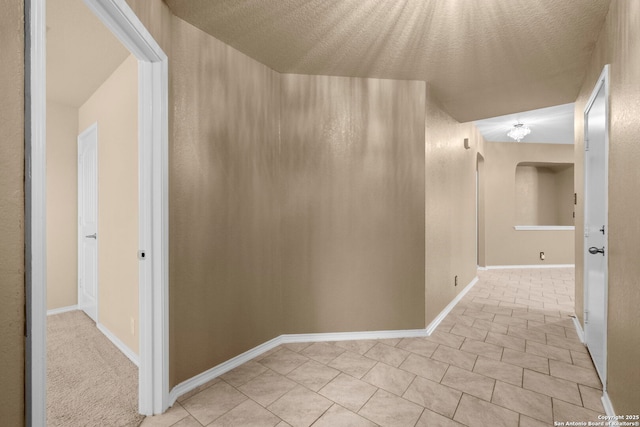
{"type": "Point", "coordinates": [80, 238]}
{"type": "Point", "coordinates": [153, 203]}
{"type": "Point", "coordinates": [35, 213]}
{"type": "Point", "coordinates": [602, 82]}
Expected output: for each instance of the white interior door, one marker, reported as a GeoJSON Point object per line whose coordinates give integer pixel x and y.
{"type": "Point", "coordinates": [596, 226]}
{"type": "Point", "coordinates": [88, 221]}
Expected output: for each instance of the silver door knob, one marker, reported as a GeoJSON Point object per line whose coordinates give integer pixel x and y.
{"type": "Point", "coordinates": [91, 236]}
{"type": "Point", "coordinates": [593, 250]}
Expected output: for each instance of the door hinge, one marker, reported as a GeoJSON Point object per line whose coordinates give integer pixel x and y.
{"type": "Point", "coordinates": [586, 145]}
{"type": "Point", "coordinates": [586, 231]}
{"type": "Point", "coordinates": [586, 317]}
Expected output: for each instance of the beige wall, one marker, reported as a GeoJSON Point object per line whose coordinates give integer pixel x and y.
{"type": "Point", "coordinates": [527, 205]}
{"type": "Point", "coordinates": [504, 244]}
{"type": "Point", "coordinates": [115, 107]}
{"type": "Point", "coordinates": [62, 205]}
{"type": "Point", "coordinates": [12, 272]}
{"type": "Point", "coordinates": [450, 205]}
{"type": "Point", "coordinates": [618, 45]}
{"type": "Point", "coordinates": [353, 204]}
{"type": "Point", "coordinates": [224, 214]}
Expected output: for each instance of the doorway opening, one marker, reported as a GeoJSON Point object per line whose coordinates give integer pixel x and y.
{"type": "Point", "coordinates": [152, 203]}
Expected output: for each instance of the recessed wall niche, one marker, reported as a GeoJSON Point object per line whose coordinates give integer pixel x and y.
{"type": "Point", "coordinates": [544, 194]}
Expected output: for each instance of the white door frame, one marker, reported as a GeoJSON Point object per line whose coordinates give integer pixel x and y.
{"type": "Point", "coordinates": [153, 203]}
{"type": "Point", "coordinates": [602, 82]}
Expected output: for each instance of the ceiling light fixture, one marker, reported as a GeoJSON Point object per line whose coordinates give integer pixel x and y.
{"type": "Point", "coordinates": [518, 131]}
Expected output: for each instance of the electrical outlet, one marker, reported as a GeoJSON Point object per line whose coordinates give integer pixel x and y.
{"type": "Point", "coordinates": [133, 326]}
{"type": "Point", "coordinates": [542, 256]}
{"type": "Point", "coordinates": [455, 281]}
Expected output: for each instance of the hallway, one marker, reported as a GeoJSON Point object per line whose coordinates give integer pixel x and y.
{"type": "Point", "coordinates": [507, 355]}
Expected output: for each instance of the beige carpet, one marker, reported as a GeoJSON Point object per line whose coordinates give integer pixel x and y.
{"type": "Point", "coordinates": [89, 381]}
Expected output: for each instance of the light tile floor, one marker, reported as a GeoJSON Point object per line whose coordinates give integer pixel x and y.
{"type": "Point", "coordinates": [507, 355]}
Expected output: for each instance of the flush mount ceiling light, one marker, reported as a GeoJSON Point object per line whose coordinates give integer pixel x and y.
{"type": "Point", "coordinates": [518, 131]}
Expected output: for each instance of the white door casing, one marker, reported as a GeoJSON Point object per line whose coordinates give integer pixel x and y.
{"type": "Point", "coordinates": [88, 221]}
{"type": "Point", "coordinates": [596, 159]}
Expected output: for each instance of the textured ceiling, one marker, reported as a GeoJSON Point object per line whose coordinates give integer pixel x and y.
{"type": "Point", "coordinates": [483, 58]}
{"type": "Point", "coordinates": [81, 52]}
{"type": "Point", "coordinates": [552, 125]}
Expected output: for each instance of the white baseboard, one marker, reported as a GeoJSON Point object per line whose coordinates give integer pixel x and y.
{"type": "Point", "coordinates": [579, 330]}
{"type": "Point", "coordinates": [216, 371]}
{"type": "Point", "coordinates": [544, 227]}
{"type": "Point", "coordinates": [440, 317]}
{"type": "Point", "coordinates": [62, 310]}
{"type": "Point", "coordinates": [206, 376]}
{"type": "Point", "coordinates": [119, 344]}
{"type": "Point", "coordinates": [506, 267]}
{"type": "Point", "coordinates": [352, 336]}
{"type": "Point", "coordinates": [608, 407]}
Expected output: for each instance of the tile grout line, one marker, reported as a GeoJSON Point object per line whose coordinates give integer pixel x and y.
{"type": "Point", "coordinates": [253, 400]}
{"type": "Point", "coordinates": [419, 416]}
{"type": "Point", "coordinates": [185, 417]}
